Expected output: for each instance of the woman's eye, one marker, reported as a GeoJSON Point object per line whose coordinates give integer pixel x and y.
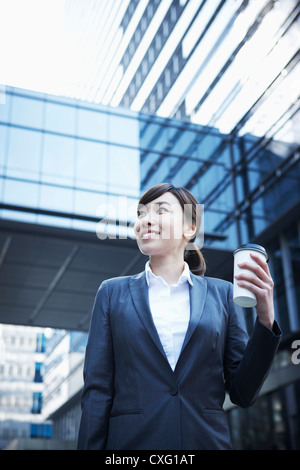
{"type": "Point", "coordinates": [141, 213]}
{"type": "Point", "coordinates": [162, 210]}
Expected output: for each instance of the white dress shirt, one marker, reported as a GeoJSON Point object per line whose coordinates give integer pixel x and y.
{"type": "Point", "coordinates": [170, 309]}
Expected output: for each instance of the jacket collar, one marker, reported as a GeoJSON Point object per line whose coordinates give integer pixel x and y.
{"type": "Point", "coordinates": [185, 276]}
{"type": "Point", "coordinates": [139, 293]}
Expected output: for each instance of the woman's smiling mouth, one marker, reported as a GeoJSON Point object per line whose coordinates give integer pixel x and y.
{"type": "Point", "coordinates": [149, 235]}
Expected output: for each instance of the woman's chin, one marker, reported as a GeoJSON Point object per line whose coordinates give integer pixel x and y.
{"type": "Point", "coordinates": [150, 247]}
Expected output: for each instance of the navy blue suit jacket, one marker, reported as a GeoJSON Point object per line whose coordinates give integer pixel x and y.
{"type": "Point", "coordinates": [132, 399]}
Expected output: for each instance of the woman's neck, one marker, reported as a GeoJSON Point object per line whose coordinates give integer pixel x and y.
{"type": "Point", "coordinates": [169, 269]}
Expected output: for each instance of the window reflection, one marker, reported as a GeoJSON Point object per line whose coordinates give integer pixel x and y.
{"type": "Point", "coordinates": [27, 112]}
{"type": "Point", "coordinates": [21, 193]}
{"type": "Point", "coordinates": [91, 165]}
{"type": "Point", "coordinates": [3, 134]}
{"type": "Point", "coordinates": [56, 198]}
{"type": "Point", "coordinates": [123, 173]}
{"type": "Point", "coordinates": [88, 202]}
{"type": "Point", "coordinates": [60, 118]}
{"type": "Point", "coordinates": [123, 130]}
{"type": "Point", "coordinates": [92, 124]}
{"type": "Point", "coordinates": [24, 152]}
{"type": "Point", "coordinates": [5, 105]}
{"type": "Point", "coordinates": [58, 159]}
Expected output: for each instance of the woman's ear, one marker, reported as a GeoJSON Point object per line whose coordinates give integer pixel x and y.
{"type": "Point", "coordinates": [189, 231]}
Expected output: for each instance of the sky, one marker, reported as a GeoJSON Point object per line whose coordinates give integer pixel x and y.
{"type": "Point", "coordinates": [31, 44]}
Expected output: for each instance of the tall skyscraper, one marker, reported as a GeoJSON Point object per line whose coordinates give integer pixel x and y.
{"type": "Point", "coordinates": [216, 63]}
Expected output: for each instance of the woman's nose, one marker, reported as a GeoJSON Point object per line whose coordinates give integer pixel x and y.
{"type": "Point", "coordinates": [149, 219]}
{"type": "Point", "coordinates": [145, 222]}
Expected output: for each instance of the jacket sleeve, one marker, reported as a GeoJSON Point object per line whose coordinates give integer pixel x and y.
{"type": "Point", "coordinates": [247, 362]}
{"type": "Point", "coordinates": [98, 374]}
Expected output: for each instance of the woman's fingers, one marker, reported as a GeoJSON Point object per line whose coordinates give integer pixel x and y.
{"type": "Point", "coordinates": [257, 278]}
{"type": "Point", "coordinates": [259, 269]}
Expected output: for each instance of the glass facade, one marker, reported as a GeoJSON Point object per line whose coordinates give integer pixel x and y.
{"type": "Point", "coordinates": [242, 182]}
{"type": "Point", "coordinates": [273, 423]}
{"type": "Point", "coordinates": [63, 161]}
{"type": "Point", "coordinates": [60, 160]}
{"type": "Point", "coordinates": [67, 163]}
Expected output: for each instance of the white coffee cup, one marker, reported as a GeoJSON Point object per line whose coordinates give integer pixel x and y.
{"type": "Point", "coordinates": [241, 296]}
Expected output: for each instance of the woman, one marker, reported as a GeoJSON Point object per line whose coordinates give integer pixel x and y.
{"type": "Point", "coordinates": [166, 344]}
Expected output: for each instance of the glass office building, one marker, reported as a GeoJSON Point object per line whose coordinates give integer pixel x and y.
{"type": "Point", "coordinates": [22, 352]}
{"type": "Point", "coordinates": [59, 156]}
{"type": "Point", "coordinates": [204, 61]}
{"type": "Point", "coordinates": [64, 164]}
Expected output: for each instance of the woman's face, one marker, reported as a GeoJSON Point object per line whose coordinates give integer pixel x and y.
{"type": "Point", "coordinates": [160, 227]}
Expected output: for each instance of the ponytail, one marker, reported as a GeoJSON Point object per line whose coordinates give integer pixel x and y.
{"type": "Point", "coordinates": [195, 260]}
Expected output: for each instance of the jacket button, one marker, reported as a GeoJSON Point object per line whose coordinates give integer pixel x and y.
{"type": "Point", "coordinates": [173, 391]}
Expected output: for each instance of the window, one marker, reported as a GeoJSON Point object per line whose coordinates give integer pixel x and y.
{"type": "Point", "coordinates": [131, 48]}
{"type": "Point", "coordinates": [21, 193]}
{"type": "Point", "coordinates": [60, 118]}
{"type": "Point", "coordinates": [24, 153]}
{"type": "Point", "coordinates": [91, 165]}
{"type": "Point", "coordinates": [149, 11]}
{"type": "Point", "coordinates": [42, 430]}
{"type": "Point", "coordinates": [92, 124]}
{"type": "Point", "coordinates": [173, 14]}
{"type": "Point", "coordinates": [87, 203]}
{"type": "Point", "coordinates": [151, 54]}
{"type": "Point", "coordinates": [143, 24]}
{"type": "Point", "coordinates": [165, 28]}
{"type": "Point", "coordinates": [56, 199]}
{"type": "Point", "coordinates": [158, 41]}
{"type": "Point", "coordinates": [152, 104]}
{"type": "Point", "coordinates": [144, 67]}
{"type": "Point", "coordinates": [58, 159]}
{"type": "Point", "coordinates": [3, 134]}
{"type": "Point", "coordinates": [4, 106]}
{"type": "Point", "coordinates": [38, 373]}
{"type": "Point", "coordinates": [124, 171]}
{"type": "Point", "coordinates": [167, 78]}
{"type": "Point", "coordinates": [137, 36]}
{"type": "Point", "coordinates": [138, 81]}
{"type": "Point", "coordinates": [27, 112]}
{"type": "Point", "coordinates": [37, 403]}
{"type": "Point", "coordinates": [175, 64]}
{"type": "Point", "coordinates": [126, 59]}
{"type": "Point", "coordinates": [40, 342]}
{"type": "Point", "coordinates": [124, 130]}
{"type": "Point", "coordinates": [132, 91]}
{"type": "Point", "coordinates": [159, 91]}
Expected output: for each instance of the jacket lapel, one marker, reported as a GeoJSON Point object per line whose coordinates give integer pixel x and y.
{"type": "Point", "coordinates": [198, 293]}
{"type": "Point", "coordinates": [139, 294]}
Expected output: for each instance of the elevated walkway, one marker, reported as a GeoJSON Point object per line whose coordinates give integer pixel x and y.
{"type": "Point", "coordinates": [49, 276]}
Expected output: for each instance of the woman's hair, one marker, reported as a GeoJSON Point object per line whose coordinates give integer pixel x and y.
{"type": "Point", "coordinates": [190, 207]}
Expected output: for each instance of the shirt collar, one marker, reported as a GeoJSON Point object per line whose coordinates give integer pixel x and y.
{"type": "Point", "coordinates": [185, 276]}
